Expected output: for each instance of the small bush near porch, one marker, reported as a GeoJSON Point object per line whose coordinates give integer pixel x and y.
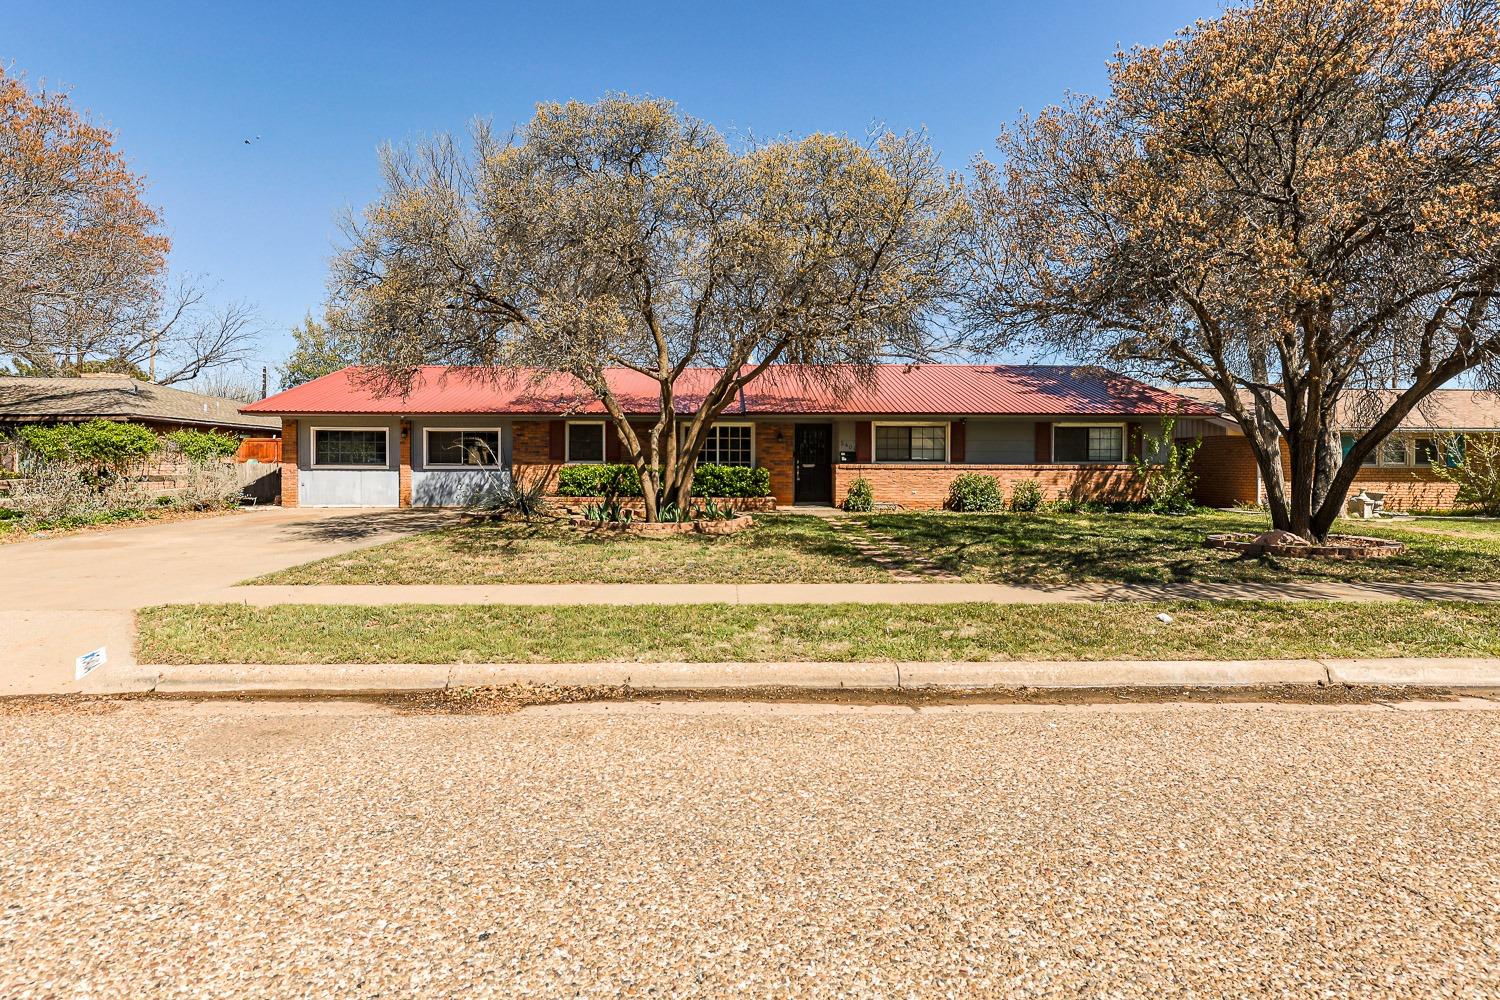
{"type": "Point", "coordinates": [1028, 549]}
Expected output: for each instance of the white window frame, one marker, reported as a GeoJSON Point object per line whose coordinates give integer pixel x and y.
{"type": "Point", "coordinates": [312, 441]}
{"type": "Point", "coordinates": [875, 426]}
{"type": "Point", "coordinates": [1124, 441]}
{"type": "Point", "coordinates": [730, 423]}
{"type": "Point", "coordinates": [1437, 440]}
{"type": "Point", "coordinates": [1409, 445]}
{"type": "Point", "coordinates": [428, 463]}
{"type": "Point", "coordinates": [568, 458]}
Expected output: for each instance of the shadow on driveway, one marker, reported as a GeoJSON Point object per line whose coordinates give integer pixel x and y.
{"type": "Point", "coordinates": [371, 524]}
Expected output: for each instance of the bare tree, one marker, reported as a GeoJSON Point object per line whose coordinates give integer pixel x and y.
{"type": "Point", "coordinates": [187, 337]}
{"type": "Point", "coordinates": [1297, 203]}
{"type": "Point", "coordinates": [620, 235]}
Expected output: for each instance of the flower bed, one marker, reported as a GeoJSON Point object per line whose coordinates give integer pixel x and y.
{"type": "Point", "coordinates": [1284, 543]}
{"type": "Point", "coordinates": [667, 529]}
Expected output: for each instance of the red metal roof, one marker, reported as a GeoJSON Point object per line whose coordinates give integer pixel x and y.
{"type": "Point", "coordinates": [935, 390]}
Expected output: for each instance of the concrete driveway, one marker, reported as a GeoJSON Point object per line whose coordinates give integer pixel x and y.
{"type": "Point", "coordinates": [62, 597]}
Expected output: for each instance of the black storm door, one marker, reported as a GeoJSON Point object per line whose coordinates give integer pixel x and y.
{"type": "Point", "coordinates": [814, 460]}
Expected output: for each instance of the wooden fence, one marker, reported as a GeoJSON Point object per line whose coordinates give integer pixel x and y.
{"type": "Point", "coordinates": [266, 450]}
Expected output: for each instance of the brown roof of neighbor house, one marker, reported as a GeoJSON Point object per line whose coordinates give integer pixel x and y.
{"type": "Point", "coordinates": [935, 389]}
{"type": "Point", "coordinates": [119, 397]}
{"type": "Point", "coordinates": [1444, 410]}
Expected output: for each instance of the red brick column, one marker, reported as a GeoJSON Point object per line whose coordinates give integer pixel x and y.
{"type": "Point", "coordinates": [531, 450]}
{"type": "Point", "coordinates": [403, 491]}
{"type": "Point", "coordinates": [777, 457]}
{"type": "Point", "coordinates": [288, 463]}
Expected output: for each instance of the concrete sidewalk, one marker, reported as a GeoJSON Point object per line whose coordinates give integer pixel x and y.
{"type": "Point", "coordinates": [1457, 673]}
{"type": "Point", "coordinates": [840, 593]}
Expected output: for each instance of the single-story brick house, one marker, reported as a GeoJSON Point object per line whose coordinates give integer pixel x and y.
{"type": "Point", "coordinates": [26, 400]}
{"type": "Point", "coordinates": [909, 432]}
{"type": "Point", "coordinates": [1401, 468]}
{"type": "Point", "coordinates": [107, 396]}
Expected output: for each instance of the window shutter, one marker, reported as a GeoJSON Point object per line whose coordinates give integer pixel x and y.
{"type": "Point", "coordinates": [1134, 440]}
{"type": "Point", "coordinates": [957, 442]}
{"type": "Point", "coordinates": [557, 443]}
{"type": "Point", "coordinates": [863, 444]}
{"type": "Point", "coordinates": [1347, 440]}
{"type": "Point", "coordinates": [1043, 442]}
{"type": "Point", "coordinates": [612, 445]}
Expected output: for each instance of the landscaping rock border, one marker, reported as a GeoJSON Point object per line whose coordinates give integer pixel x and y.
{"type": "Point", "coordinates": [1337, 546]}
{"type": "Point", "coordinates": [667, 529]}
{"type": "Point", "coordinates": [575, 505]}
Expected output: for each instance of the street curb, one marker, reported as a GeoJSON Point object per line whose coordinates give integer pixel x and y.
{"type": "Point", "coordinates": [228, 677]}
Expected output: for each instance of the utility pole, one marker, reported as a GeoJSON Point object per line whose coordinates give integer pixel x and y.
{"type": "Point", "coordinates": [265, 371]}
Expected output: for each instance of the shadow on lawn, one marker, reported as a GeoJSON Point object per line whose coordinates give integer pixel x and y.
{"type": "Point", "coordinates": [798, 537]}
{"type": "Point", "coordinates": [1058, 550]}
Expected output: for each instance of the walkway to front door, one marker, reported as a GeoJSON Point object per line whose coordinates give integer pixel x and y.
{"type": "Point", "coordinates": [813, 454]}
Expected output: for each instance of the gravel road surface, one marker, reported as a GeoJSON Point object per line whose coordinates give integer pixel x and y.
{"type": "Point", "coordinates": [269, 849]}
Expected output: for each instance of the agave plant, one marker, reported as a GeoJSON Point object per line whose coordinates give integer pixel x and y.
{"type": "Point", "coordinates": [501, 494]}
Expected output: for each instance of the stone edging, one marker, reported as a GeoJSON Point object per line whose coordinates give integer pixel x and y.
{"type": "Point", "coordinates": [667, 529]}
{"type": "Point", "coordinates": [744, 504]}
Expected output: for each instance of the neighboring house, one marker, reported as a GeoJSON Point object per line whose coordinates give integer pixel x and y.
{"type": "Point", "coordinates": [909, 433]}
{"type": "Point", "coordinates": [25, 400]}
{"type": "Point", "coordinates": [1401, 468]}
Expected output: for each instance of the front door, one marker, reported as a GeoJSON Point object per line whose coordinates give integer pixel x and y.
{"type": "Point", "coordinates": [814, 460]}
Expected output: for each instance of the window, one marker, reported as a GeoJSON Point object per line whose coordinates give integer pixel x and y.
{"type": "Point", "coordinates": [1393, 451]}
{"type": "Point", "coordinates": [586, 442]}
{"type": "Point", "coordinates": [911, 442]}
{"type": "Point", "coordinates": [1088, 443]}
{"type": "Point", "coordinates": [354, 447]}
{"type": "Point", "coordinates": [728, 444]}
{"type": "Point", "coordinates": [1431, 451]}
{"type": "Point", "coordinates": [452, 446]}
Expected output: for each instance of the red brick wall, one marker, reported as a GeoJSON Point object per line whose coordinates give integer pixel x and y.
{"type": "Point", "coordinates": [403, 482]}
{"type": "Point", "coordinates": [926, 486]}
{"type": "Point", "coordinates": [531, 450]}
{"type": "Point", "coordinates": [1228, 476]}
{"type": "Point", "coordinates": [776, 456]}
{"type": "Point", "coordinates": [1227, 473]}
{"type": "Point", "coordinates": [1404, 488]}
{"type": "Point", "coordinates": [288, 463]}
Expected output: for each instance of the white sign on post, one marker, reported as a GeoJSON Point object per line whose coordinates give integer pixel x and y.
{"type": "Point", "coordinates": [88, 663]}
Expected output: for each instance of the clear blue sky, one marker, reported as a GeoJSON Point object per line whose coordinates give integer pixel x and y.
{"type": "Point", "coordinates": [324, 84]}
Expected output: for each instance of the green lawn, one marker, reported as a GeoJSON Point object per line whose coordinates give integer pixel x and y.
{"type": "Point", "coordinates": [235, 633]}
{"type": "Point", "coordinates": [1002, 548]}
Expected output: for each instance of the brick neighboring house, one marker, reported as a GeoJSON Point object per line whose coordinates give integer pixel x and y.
{"type": "Point", "coordinates": [1401, 467]}
{"type": "Point", "coordinates": [26, 400]}
{"type": "Point", "coordinates": [909, 433]}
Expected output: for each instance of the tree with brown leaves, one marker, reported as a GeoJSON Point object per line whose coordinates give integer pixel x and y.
{"type": "Point", "coordinates": [83, 259]}
{"type": "Point", "coordinates": [1296, 202]}
{"type": "Point", "coordinates": [621, 234]}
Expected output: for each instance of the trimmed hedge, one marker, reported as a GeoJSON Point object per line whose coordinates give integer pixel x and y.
{"type": "Point", "coordinates": [598, 481]}
{"type": "Point", "coordinates": [735, 481]}
{"type": "Point", "coordinates": [731, 481]}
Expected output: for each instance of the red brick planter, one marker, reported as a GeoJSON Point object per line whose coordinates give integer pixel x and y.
{"type": "Point", "coordinates": [1337, 547]}
{"type": "Point", "coordinates": [576, 505]}
{"type": "Point", "coordinates": [666, 529]}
